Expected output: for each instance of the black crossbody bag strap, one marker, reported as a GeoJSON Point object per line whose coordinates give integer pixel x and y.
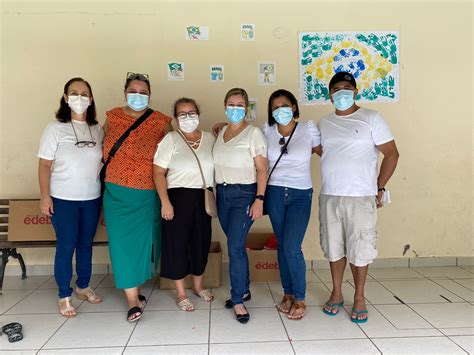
{"type": "Point", "coordinates": [282, 152]}
{"type": "Point", "coordinates": [122, 139]}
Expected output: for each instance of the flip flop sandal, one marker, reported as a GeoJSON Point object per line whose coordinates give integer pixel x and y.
{"type": "Point", "coordinates": [285, 301]}
{"type": "Point", "coordinates": [142, 299]}
{"type": "Point", "coordinates": [205, 295]}
{"type": "Point", "coordinates": [87, 294]}
{"type": "Point", "coordinates": [297, 306]}
{"type": "Point", "coordinates": [13, 331]}
{"type": "Point", "coordinates": [136, 312]}
{"type": "Point", "coordinates": [229, 304]}
{"type": "Point", "coordinates": [332, 306]}
{"type": "Point", "coordinates": [185, 305]}
{"type": "Point", "coordinates": [356, 312]}
{"type": "Point", "coordinates": [65, 306]}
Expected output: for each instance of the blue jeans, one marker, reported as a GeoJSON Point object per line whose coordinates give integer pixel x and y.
{"type": "Point", "coordinates": [233, 206]}
{"type": "Point", "coordinates": [289, 211]}
{"type": "Point", "coordinates": [75, 223]}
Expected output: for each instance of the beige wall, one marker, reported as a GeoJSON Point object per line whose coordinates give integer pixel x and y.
{"type": "Point", "coordinates": [46, 43]}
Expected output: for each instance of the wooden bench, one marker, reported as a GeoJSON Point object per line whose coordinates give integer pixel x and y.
{"type": "Point", "coordinates": [9, 248]}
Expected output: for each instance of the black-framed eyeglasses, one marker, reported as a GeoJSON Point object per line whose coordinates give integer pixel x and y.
{"type": "Point", "coordinates": [284, 149]}
{"type": "Point", "coordinates": [137, 76]}
{"type": "Point", "coordinates": [185, 115]}
{"type": "Point", "coordinates": [82, 144]}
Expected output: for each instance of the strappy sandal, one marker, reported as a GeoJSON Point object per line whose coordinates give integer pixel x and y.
{"type": "Point", "coordinates": [185, 305]}
{"type": "Point", "coordinates": [142, 300]}
{"type": "Point", "coordinates": [286, 303]}
{"type": "Point", "coordinates": [13, 331]}
{"type": "Point", "coordinates": [205, 295]}
{"type": "Point", "coordinates": [65, 306]}
{"type": "Point", "coordinates": [299, 307]}
{"type": "Point", "coordinates": [87, 294]}
{"type": "Point", "coordinates": [134, 314]}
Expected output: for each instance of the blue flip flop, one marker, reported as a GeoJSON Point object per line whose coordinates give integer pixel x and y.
{"type": "Point", "coordinates": [356, 312]}
{"type": "Point", "coordinates": [331, 305]}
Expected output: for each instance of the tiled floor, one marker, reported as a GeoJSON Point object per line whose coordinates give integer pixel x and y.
{"type": "Point", "coordinates": [420, 310]}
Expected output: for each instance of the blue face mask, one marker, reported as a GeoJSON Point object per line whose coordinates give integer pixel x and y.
{"type": "Point", "coordinates": [137, 102]}
{"type": "Point", "coordinates": [235, 114]}
{"type": "Point", "coordinates": [283, 115]}
{"type": "Point", "coordinates": [343, 99]}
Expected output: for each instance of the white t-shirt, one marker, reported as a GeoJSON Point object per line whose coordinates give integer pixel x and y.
{"type": "Point", "coordinates": [183, 171]}
{"type": "Point", "coordinates": [234, 160]}
{"type": "Point", "coordinates": [75, 171]}
{"type": "Point", "coordinates": [293, 169]}
{"type": "Point", "coordinates": [349, 160]}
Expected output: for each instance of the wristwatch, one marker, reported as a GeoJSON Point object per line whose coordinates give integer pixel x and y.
{"type": "Point", "coordinates": [260, 197]}
{"type": "Point", "coordinates": [381, 189]}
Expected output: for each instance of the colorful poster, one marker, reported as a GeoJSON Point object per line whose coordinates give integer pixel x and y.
{"type": "Point", "coordinates": [372, 57]}
{"type": "Point", "coordinates": [217, 73]}
{"type": "Point", "coordinates": [176, 71]}
{"type": "Point", "coordinates": [247, 32]}
{"type": "Point", "coordinates": [252, 113]}
{"type": "Point", "coordinates": [197, 33]}
{"type": "Point", "coordinates": [266, 73]}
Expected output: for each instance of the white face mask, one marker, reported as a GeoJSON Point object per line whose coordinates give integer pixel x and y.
{"type": "Point", "coordinates": [189, 125]}
{"type": "Point", "coordinates": [78, 104]}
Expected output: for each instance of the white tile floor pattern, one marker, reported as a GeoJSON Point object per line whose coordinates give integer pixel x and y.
{"type": "Point", "coordinates": [424, 310]}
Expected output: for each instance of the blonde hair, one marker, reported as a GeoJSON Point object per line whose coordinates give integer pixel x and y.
{"type": "Point", "coordinates": [237, 91]}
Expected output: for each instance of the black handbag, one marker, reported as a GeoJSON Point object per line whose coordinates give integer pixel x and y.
{"type": "Point", "coordinates": [283, 151]}
{"type": "Point", "coordinates": [117, 145]}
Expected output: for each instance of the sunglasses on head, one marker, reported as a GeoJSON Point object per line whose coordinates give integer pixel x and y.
{"type": "Point", "coordinates": [137, 76]}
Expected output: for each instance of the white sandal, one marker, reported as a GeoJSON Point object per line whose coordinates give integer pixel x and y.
{"type": "Point", "coordinates": [87, 294]}
{"type": "Point", "coordinates": [205, 295]}
{"type": "Point", "coordinates": [65, 306]}
{"type": "Point", "coordinates": [185, 305]}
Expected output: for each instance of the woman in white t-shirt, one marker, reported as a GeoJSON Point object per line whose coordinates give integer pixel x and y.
{"type": "Point", "coordinates": [186, 227]}
{"type": "Point", "coordinates": [70, 155]}
{"type": "Point", "coordinates": [241, 166]}
{"type": "Point", "coordinates": [289, 193]}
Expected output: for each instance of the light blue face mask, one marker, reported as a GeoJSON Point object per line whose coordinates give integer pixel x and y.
{"type": "Point", "coordinates": [283, 115]}
{"type": "Point", "coordinates": [235, 114]}
{"type": "Point", "coordinates": [343, 99]}
{"type": "Point", "coordinates": [137, 102]}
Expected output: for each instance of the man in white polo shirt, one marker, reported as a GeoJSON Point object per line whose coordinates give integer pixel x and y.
{"type": "Point", "coordinates": [351, 138]}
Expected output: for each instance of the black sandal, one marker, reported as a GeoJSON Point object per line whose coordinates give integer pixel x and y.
{"type": "Point", "coordinates": [142, 299]}
{"type": "Point", "coordinates": [13, 331]}
{"type": "Point", "coordinates": [247, 297]}
{"type": "Point", "coordinates": [134, 311]}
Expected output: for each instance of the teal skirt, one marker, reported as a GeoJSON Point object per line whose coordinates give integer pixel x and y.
{"type": "Point", "coordinates": [133, 222]}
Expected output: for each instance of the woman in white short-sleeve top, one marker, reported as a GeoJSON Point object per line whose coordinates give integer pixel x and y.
{"type": "Point", "coordinates": [289, 193]}
{"type": "Point", "coordinates": [186, 227]}
{"type": "Point", "coordinates": [70, 155]}
{"type": "Point", "coordinates": [241, 165]}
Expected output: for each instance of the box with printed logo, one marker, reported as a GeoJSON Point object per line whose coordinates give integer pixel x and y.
{"type": "Point", "coordinates": [212, 277]}
{"type": "Point", "coordinates": [263, 263]}
{"type": "Point", "coordinates": [27, 223]}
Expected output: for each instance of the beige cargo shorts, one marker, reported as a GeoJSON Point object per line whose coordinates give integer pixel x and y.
{"type": "Point", "coordinates": [347, 228]}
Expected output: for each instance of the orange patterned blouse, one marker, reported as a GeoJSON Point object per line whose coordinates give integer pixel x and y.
{"type": "Point", "coordinates": [132, 165]}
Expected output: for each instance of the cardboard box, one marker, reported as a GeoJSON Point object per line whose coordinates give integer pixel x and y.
{"type": "Point", "coordinates": [212, 277]}
{"type": "Point", "coordinates": [263, 264]}
{"type": "Point", "coordinates": [27, 223]}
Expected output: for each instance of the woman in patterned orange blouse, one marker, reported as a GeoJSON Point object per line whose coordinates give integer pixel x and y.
{"type": "Point", "coordinates": [131, 204]}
